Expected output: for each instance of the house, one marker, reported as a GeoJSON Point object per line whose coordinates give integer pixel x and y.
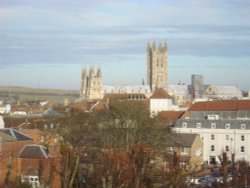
{"type": "Point", "coordinates": [188, 149]}
{"type": "Point", "coordinates": [160, 101]}
{"type": "Point", "coordinates": [38, 167]}
{"type": "Point", "coordinates": [12, 143]}
{"type": "Point", "coordinates": [223, 125]}
{"type": "Point", "coordinates": [1, 122]}
{"type": "Point", "coordinates": [5, 109]}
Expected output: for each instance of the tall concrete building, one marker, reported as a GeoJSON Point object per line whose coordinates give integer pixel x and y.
{"type": "Point", "coordinates": [197, 86]}
{"type": "Point", "coordinates": [157, 66]}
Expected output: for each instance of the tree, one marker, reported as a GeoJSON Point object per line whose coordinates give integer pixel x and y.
{"type": "Point", "coordinates": [122, 143]}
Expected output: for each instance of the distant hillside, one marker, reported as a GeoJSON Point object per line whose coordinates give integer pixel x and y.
{"type": "Point", "coordinates": [25, 93]}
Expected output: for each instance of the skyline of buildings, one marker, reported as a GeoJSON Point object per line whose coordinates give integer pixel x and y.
{"type": "Point", "coordinates": [43, 42]}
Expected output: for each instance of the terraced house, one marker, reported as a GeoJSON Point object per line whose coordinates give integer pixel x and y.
{"type": "Point", "coordinates": [224, 126]}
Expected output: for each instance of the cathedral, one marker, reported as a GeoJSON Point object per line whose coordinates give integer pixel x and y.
{"type": "Point", "coordinates": [157, 77]}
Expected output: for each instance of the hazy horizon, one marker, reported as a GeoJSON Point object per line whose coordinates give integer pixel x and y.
{"type": "Point", "coordinates": [45, 44]}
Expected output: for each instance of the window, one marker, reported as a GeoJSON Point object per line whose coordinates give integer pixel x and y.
{"type": "Point", "coordinates": [242, 149]}
{"type": "Point", "coordinates": [227, 126]}
{"type": "Point", "coordinates": [183, 165]}
{"type": "Point", "coordinates": [198, 125]}
{"type": "Point", "coordinates": [226, 148]}
{"type": "Point", "coordinates": [243, 126]}
{"type": "Point", "coordinates": [227, 137]}
{"type": "Point", "coordinates": [184, 149]}
{"type": "Point", "coordinates": [212, 148]}
{"type": "Point", "coordinates": [42, 138]}
{"type": "Point", "coordinates": [170, 149]}
{"type": "Point", "coordinates": [213, 125]}
{"type": "Point", "coordinates": [212, 136]}
{"type": "Point", "coordinates": [242, 138]}
{"type": "Point", "coordinates": [184, 125]}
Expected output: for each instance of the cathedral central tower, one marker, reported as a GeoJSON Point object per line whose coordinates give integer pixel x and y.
{"type": "Point", "coordinates": [157, 66]}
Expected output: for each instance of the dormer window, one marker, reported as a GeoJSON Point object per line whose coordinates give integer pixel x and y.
{"type": "Point", "coordinates": [213, 125]}
{"type": "Point", "coordinates": [243, 126]}
{"type": "Point", "coordinates": [184, 125]}
{"type": "Point", "coordinates": [198, 125]}
{"type": "Point", "coordinates": [227, 126]}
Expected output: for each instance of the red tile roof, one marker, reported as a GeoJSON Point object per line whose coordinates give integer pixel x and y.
{"type": "Point", "coordinates": [160, 94]}
{"type": "Point", "coordinates": [172, 115]}
{"type": "Point", "coordinates": [223, 105]}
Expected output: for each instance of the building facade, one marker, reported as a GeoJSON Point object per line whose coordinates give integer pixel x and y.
{"type": "Point", "coordinates": [157, 77]}
{"type": "Point", "coordinates": [157, 66]}
{"type": "Point", "coordinates": [224, 126]}
{"type": "Point", "coordinates": [91, 85]}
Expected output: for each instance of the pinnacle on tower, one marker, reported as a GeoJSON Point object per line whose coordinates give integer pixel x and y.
{"type": "Point", "coordinates": [165, 45]}
{"type": "Point", "coordinates": [154, 46]}
{"type": "Point", "coordinates": [160, 47]}
{"type": "Point", "coordinates": [83, 72]}
{"type": "Point", "coordinates": [91, 71]}
{"type": "Point", "coordinates": [149, 46]}
{"type": "Point", "coordinates": [99, 72]}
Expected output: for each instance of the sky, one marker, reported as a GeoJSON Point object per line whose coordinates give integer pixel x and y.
{"type": "Point", "coordinates": [45, 43]}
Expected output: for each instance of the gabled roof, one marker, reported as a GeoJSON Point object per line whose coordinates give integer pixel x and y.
{"type": "Point", "coordinates": [160, 94]}
{"type": "Point", "coordinates": [34, 152]}
{"type": "Point", "coordinates": [181, 140]}
{"type": "Point", "coordinates": [222, 105]}
{"type": "Point", "coordinates": [9, 135]}
{"type": "Point", "coordinates": [172, 115]}
{"type": "Point", "coordinates": [50, 112]}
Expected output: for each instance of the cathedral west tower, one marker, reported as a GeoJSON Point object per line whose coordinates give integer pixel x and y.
{"type": "Point", "coordinates": [157, 66]}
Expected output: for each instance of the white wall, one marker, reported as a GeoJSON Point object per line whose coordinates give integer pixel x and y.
{"type": "Point", "coordinates": [220, 142]}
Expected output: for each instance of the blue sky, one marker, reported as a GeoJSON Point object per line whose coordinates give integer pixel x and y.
{"type": "Point", "coordinates": [45, 43]}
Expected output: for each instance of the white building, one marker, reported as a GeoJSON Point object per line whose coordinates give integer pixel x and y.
{"type": "Point", "coordinates": [160, 101]}
{"type": "Point", "coordinates": [224, 126]}
{"type": "Point", "coordinates": [1, 123]}
{"type": "Point", "coordinates": [181, 94]}
{"type": "Point", "coordinates": [5, 109]}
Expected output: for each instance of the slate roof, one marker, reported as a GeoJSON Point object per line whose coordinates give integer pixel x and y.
{"type": "Point", "coordinates": [9, 135]}
{"type": "Point", "coordinates": [225, 89]}
{"type": "Point", "coordinates": [219, 124]}
{"type": "Point", "coordinates": [50, 112]}
{"type": "Point", "coordinates": [34, 152]}
{"type": "Point", "coordinates": [181, 140]}
{"type": "Point", "coordinates": [6, 138]}
{"type": "Point", "coordinates": [179, 89]}
{"type": "Point", "coordinates": [160, 94]}
{"type": "Point", "coordinates": [222, 105]}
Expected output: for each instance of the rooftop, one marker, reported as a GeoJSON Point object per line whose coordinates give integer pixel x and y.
{"type": "Point", "coordinates": [221, 105]}
{"type": "Point", "coordinates": [9, 135]}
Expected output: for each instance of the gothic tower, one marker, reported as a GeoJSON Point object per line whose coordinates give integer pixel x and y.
{"type": "Point", "coordinates": [92, 86]}
{"type": "Point", "coordinates": [157, 66]}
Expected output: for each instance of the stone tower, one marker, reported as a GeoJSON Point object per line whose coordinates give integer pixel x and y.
{"type": "Point", "coordinates": [92, 86]}
{"type": "Point", "coordinates": [157, 66]}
